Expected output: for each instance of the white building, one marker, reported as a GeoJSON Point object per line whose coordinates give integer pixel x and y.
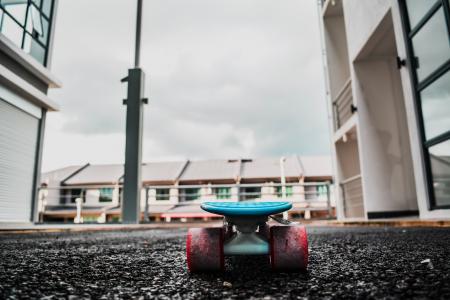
{"type": "Point", "coordinates": [26, 35]}
{"type": "Point", "coordinates": [174, 190]}
{"type": "Point", "coordinates": [388, 65]}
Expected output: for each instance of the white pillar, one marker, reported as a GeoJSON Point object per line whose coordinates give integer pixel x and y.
{"type": "Point", "coordinates": [174, 195]}
{"type": "Point", "coordinates": [235, 193]}
{"type": "Point", "coordinates": [78, 219]}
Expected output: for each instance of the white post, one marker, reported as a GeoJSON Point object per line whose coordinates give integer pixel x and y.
{"type": "Point", "coordinates": [174, 194]}
{"type": "Point", "coordinates": [283, 183]}
{"type": "Point", "coordinates": [116, 195]}
{"type": "Point", "coordinates": [78, 219]}
{"type": "Point", "coordinates": [235, 193]}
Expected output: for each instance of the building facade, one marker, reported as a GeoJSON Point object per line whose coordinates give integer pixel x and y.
{"type": "Point", "coordinates": [174, 190]}
{"type": "Point", "coordinates": [26, 36]}
{"type": "Point", "coordinates": [388, 65]}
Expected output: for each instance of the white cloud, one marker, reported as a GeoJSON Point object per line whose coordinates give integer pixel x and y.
{"type": "Point", "coordinates": [225, 78]}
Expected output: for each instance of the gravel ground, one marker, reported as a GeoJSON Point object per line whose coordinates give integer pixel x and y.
{"type": "Point", "coordinates": [344, 263]}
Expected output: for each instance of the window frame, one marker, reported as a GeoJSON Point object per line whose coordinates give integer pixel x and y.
{"type": "Point", "coordinates": [419, 86]}
{"type": "Point", "coordinates": [159, 196]}
{"type": "Point", "coordinates": [254, 195]}
{"type": "Point", "coordinates": [102, 198]}
{"type": "Point", "coordinates": [187, 197]}
{"type": "Point", "coordinates": [77, 193]}
{"type": "Point", "coordinates": [289, 191]}
{"type": "Point", "coordinates": [29, 6]}
{"type": "Point", "coordinates": [222, 195]}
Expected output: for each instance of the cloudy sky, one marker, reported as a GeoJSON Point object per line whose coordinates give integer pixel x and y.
{"type": "Point", "coordinates": [225, 78]}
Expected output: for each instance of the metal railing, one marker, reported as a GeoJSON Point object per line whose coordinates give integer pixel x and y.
{"type": "Point", "coordinates": [84, 200]}
{"type": "Point", "coordinates": [352, 195]}
{"type": "Point", "coordinates": [343, 107]}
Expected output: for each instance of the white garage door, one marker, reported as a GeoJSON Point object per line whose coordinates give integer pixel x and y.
{"type": "Point", "coordinates": [18, 142]}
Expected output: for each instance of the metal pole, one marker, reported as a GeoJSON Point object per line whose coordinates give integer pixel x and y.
{"type": "Point", "coordinates": [146, 217]}
{"type": "Point", "coordinates": [137, 49]}
{"type": "Point", "coordinates": [342, 187]}
{"type": "Point", "coordinates": [283, 184]}
{"type": "Point", "coordinates": [131, 210]}
{"type": "Point", "coordinates": [283, 178]}
{"type": "Point", "coordinates": [328, 200]}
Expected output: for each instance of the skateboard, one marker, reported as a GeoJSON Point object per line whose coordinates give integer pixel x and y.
{"type": "Point", "coordinates": [246, 232]}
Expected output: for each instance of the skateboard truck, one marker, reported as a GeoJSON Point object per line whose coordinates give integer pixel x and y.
{"type": "Point", "coordinates": [283, 221]}
{"type": "Point", "coordinates": [246, 231]}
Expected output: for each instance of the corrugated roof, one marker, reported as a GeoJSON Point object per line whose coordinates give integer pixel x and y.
{"type": "Point", "coordinates": [162, 171]}
{"type": "Point", "coordinates": [270, 168]}
{"type": "Point", "coordinates": [205, 170]}
{"type": "Point", "coordinates": [54, 178]}
{"type": "Point", "coordinates": [97, 174]}
{"type": "Point", "coordinates": [316, 166]}
{"type": "Point", "coordinates": [211, 170]}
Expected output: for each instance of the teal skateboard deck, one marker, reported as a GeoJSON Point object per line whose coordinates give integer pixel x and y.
{"type": "Point", "coordinates": [246, 208]}
{"type": "Point", "coordinates": [246, 231]}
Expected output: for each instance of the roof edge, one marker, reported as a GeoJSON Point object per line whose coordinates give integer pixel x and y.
{"type": "Point", "coordinates": [63, 182]}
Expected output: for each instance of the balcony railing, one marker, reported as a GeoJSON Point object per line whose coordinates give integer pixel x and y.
{"type": "Point", "coordinates": [89, 200]}
{"type": "Point", "coordinates": [343, 107]}
{"type": "Point", "coordinates": [352, 194]}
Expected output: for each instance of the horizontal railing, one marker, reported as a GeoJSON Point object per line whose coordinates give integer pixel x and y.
{"type": "Point", "coordinates": [343, 105]}
{"type": "Point", "coordinates": [314, 196]}
{"type": "Point", "coordinates": [352, 194]}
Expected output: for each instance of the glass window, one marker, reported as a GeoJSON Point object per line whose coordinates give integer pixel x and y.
{"type": "Point", "coordinates": [440, 169]}
{"type": "Point", "coordinates": [222, 193]}
{"type": "Point", "coordinates": [322, 190]}
{"type": "Point", "coordinates": [36, 20]}
{"type": "Point", "coordinates": [47, 7]}
{"type": "Point", "coordinates": [27, 25]}
{"type": "Point", "coordinates": [106, 195]}
{"type": "Point", "coordinates": [37, 2]}
{"type": "Point", "coordinates": [417, 10]}
{"type": "Point", "coordinates": [436, 107]}
{"type": "Point", "coordinates": [45, 30]}
{"type": "Point", "coordinates": [35, 49]}
{"type": "Point", "coordinates": [431, 45]}
{"type": "Point", "coordinates": [190, 194]}
{"type": "Point", "coordinates": [11, 30]}
{"type": "Point", "coordinates": [248, 193]}
{"type": "Point", "coordinates": [162, 194]}
{"type": "Point", "coordinates": [77, 193]}
{"type": "Point", "coordinates": [279, 191]}
{"type": "Point", "coordinates": [17, 10]}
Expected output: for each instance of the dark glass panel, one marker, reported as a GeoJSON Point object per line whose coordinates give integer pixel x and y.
{"type": "Point", "coordinates": [431, 45]}
{"type": "Point", "coordinates": [440, 168]}
{"type": "Point", "coordinates": [417, 10]}
{"type": "Point", "coordinates": [436, 107]}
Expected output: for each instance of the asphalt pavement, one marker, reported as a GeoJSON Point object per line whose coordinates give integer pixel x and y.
{"type": "Point", "coordinates": [344, 263]}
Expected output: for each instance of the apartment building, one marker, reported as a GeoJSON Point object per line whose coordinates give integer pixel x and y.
{"type": "Point", "coordinates": [174, 190]}
{"type": "Point", "coordinates": [26, 37]}
{"type": "Point", "coordinates": [388, 65]}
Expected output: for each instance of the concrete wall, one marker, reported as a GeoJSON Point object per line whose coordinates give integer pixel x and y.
{"type": "Point", "coordinates": [386, 162]}
{"type": "Point", "coordinates": [390, 158]}
{"type": "Point", "coordinates": [337, 53]}
{"type": "Point", "coordinates": [387, 175]}
{"type": "Point", "coordinates": [361, 19]}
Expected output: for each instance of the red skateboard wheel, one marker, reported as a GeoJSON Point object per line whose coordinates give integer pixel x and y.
{"type": "Point", "coordinates": [204, 249]}
{"type": "Point", "coordinates": [288, 248]}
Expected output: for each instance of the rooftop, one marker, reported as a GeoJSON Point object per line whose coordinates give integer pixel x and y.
{"type": "Point", "coordinates": [197, 171]}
